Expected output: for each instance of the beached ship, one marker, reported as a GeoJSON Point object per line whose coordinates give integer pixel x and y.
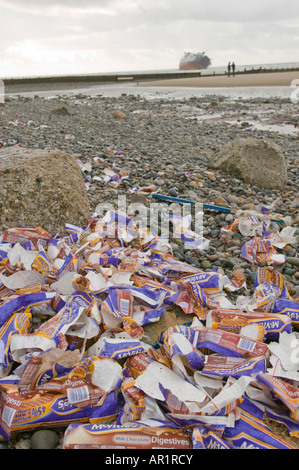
{"type": "Point", "coordinates": [194, 61]}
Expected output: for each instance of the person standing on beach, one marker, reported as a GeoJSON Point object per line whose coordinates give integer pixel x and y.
{"type": "Point", "coordinates": [228, 69]}
{"type": "Point", "coordinates": [233, 68]}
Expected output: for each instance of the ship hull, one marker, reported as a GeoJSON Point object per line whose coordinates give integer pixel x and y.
{"type": "Point", "coordinates": [194, 61]}
{"type": "Point", "coordinates": [193, 65]}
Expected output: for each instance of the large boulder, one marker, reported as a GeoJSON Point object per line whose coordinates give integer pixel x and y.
{"type": "Point", "coordinates": [258, 162]}
{"type": "Point", "coordinates": [41, 188]}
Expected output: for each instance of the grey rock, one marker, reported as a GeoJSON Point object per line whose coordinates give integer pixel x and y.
{"type": "Point", "coordinates": [291, 253]}
{"type": "Point", "coordinates": [214, 233]}
{"type": "Point", "coordinates": [251, 277]}
{"type": "Point", "coordinates": [289, 272]}
{"type": "Point", "coordinates": [192, 195]}
{"type": "Point", "coordinates": [249, 158]}
{"type": "Point", "coordinates": [173, 192]}
{"type": "Point", "coordinates": [229, 218]}
{"type": "Point", "coordinates": [230, 263]}
{"type": "Point", "coordinates": [292, 260]}
{"type": "Point", "coordinates": [44, 188]}
{"type": "Point", "coordinates": [159, 181]}
{"type": "Point", "coordinates": [44, 439]}
{"type": "Point", "coordinates": [206, 264]}
{"type": "Point", "coordinates": [191, 260]}
{"type": "Point", "coordinates": [179, 255]}
{"type": "Point", "coordinates": [233, 199]}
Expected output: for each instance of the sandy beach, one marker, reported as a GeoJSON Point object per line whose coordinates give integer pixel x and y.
{"type": "Point", "coordinates": [246, 80]}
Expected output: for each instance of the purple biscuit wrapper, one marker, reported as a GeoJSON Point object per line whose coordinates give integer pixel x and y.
{"type": "Point", "coordinates": [249, 367]}
{"type": "Point", "coordinates": [249, 434]}
{"type": "Point", "coordinates": [19, 303]}
{"type": "Point", "coordinates": [64, 268]}
{"type": "Point", "coordinates": [17, 324]}
{"type": "Point", "coordinates": [172, 348]}
{"type": "Point", "coordinates": [74, 234]}
{"type": "Point", "coordinates": [257, 410]}
{"type": "Point", "coordinates": [3, 256]}
{"type": "Point", "coordinates": [251, 248]}
{"type": "Point", "coordinates": [265, 298]}
{"type": "Point", "coordinates": [191, 238]}
{"type": "Point", "coordinates": [57, 411]}
{"type": "Point", "coordinates": [205, 438]}
{"type": "Point", "coordinates": [185, 421]}
{"type": "Point", "coordinates": [48, 335]}
{"type": "Point", "coordinates": [209, 338]}
{"type": "Point", "coordinates": [44, 262]}
{"type": "Point", "coordinates": [189, 333]}
{"type": "Point", "coordinates": [138, 426]}
{"type": "Point", "coordinates": [195, 294]}
{"type": "Point", "coordinates": [208, 282]}
{"type": "Point", "coordinates": [288, 307]}
{"type": "Point", "coordinates": [284, 391]}
{"type": "Point", "coordinates": [262, 277]}
{"type": "Point", "coordinates": [122, 306]}
{"type": "Point", "coordinates": [117, 348]}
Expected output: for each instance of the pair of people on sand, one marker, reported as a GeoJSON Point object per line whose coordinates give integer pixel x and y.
{"type": "Point", "coordinates": [231, 67]}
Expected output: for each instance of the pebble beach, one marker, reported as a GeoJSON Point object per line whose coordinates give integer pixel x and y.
{"type": "Point", "coordinates": [168, 144]}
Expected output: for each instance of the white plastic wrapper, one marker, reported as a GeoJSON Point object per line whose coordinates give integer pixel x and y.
{"type": "Point", "coordinates": [232, 391]}
{"type": "Point", "coordinates": [18, 256]}
{"type": "Point", "coordinates": [22, 279]}
{"type": "Point", "coordinates": [80, 317]}
{"type": "Point", "coordinates": [283, 238]}
{"type": "Point", "coordinates": [209, 384]}
{"type": "Point", "coordinates": [116, 345]}
{"type": "Point", "coordinates": [157, 377]}
{"type": "Point", "coordinates": [285, 356]}
{"type": "Point", "coordinates": [251, 226]}
{"type": "Point", "coordinates": [65, 285]}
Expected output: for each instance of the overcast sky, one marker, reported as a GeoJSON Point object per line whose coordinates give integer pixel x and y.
{"type": "Point", "coordinates": [52, 37]}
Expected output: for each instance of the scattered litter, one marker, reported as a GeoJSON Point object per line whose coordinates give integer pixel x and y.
{"type": "Point", "coordinates": [88, 365]}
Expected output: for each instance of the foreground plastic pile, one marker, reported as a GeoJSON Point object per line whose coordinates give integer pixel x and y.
{"type": "Point", "coordinates": [73, 315]}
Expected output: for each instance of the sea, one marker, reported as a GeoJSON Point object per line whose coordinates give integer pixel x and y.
{"type": "Point", "coordinates": [152, 92]}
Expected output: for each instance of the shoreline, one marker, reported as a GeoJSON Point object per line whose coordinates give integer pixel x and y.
{"type": "Point", "coordinates": [244, 80]}
{"type": "Point", "coordinates": [248, 80]}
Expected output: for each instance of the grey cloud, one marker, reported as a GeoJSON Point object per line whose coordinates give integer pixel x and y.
{"type": "Point", "coordinates": [154, 29]}
{"type": "Point", "coordinates": [222, 11]}
{"type": "Point", "coordinates": [62, 3]}
{"type": "Point", "coordinates": [169, 10]}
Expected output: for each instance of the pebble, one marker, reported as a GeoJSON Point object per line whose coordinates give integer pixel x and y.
{"type": "Point", "coordinates": [173, 192]}
{"type": "Point", "coordinates": [229, 218]}
{"type": "Point", "coordinates": [230, 263]}
{"type": "Point", "coordinates": [159, 182]}
{"type": "Point", "coordinates": [233, 199]}
{"type": "Point", "coordinates": [292, 260]}
{"type": "Point", "coordinates": [44, 439]}
{"type": "Point", "coordinates": [206, 264]}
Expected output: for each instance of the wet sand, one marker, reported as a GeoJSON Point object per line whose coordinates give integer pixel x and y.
{"type": "Point", "coordinates": [244, 80]}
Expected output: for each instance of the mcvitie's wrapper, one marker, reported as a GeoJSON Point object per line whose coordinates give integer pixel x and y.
{"type": "Point", "coordinates": [234, 320]}
{"type": "Point", "coordinates": [152, 434]}
{"type": "Point", "coordinates": [43, 410]}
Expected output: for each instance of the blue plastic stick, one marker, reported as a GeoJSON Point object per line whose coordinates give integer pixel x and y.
{"type": "Point", "coordinates": [205, 206]}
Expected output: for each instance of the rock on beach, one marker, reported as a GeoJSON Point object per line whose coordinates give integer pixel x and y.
{"type": "Point", "coordinates": [41, 188]}
{"type": "Point", "coordinates": [255, 161]}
